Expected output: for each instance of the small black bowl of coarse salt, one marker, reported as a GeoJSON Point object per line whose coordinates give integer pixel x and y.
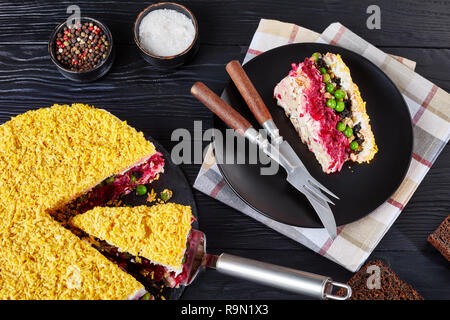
{"type": "Point", "coordinates": [166, 34]}
{"type": "Point", "coordinates": [82, 52]}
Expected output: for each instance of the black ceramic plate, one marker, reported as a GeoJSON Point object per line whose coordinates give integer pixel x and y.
{"type": "Point", "coordinates": [361, 187]}
{"type": "Point", "coordinates": [172, 179]}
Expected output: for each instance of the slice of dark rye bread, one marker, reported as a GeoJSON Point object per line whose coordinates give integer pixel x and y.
{"type": "Point", "coordinates": [391, 286]}
{"type": "Point", "coordinates": [440, 238]}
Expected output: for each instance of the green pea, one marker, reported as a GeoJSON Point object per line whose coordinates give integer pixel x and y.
{"type": "Point", "coordinates": [348, 132]}
{"type": "Point", "coordinates": [315, 56]}
{"type": "Point", "coordinates": [331, 103]}
{"type": "Point", "coordinates": [141, 189]}
{"type": "Point", "coordinates": [340, 106]}
{"type": "Point", "coordinates": [323, 70]}
{"type": "Point", "coordinates": [326, 78]}
{"type": "Point", "coordinates": [341, 126]}
{"type": "Point", "coordinates": [132, 179]}
{"type": "Point", "coordinates": [110, 180]}
{"type": "Point", "coordinates": [339, 94]}
{"type": "Point", "coordinates": [354, 145]}
{"type": "Point", "coordinates": [329, 87]}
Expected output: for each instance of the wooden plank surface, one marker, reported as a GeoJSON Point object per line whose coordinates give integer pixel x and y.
{"type": "Point", "coordinates": [158, 102]}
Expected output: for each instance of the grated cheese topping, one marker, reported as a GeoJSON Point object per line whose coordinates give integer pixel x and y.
{"type": "Point", "coordinates": [157, 233]}
{"type": "Point", "coordinates": [47, 158]}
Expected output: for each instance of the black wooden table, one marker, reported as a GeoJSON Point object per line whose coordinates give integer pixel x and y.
{"type": "Point", "coordinates": [158, 102]}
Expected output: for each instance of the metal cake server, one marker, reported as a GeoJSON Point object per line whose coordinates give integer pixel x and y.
{"type": "Point", "coordinates": [278, 150]}
{"type": "Point", "coordinates": [312, 285]}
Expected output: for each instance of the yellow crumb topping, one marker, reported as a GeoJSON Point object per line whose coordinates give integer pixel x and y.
{"type": "Point", "coordinates": [48, 157]}
{"type": "Point", "coordinates": [158, 233]}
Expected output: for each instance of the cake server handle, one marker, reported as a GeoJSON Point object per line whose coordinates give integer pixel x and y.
{"type": "Point", "coordinates": [222, 109]}
{"type": "Point", "coordinates": [253, 99]}
{"type": "Point", "coordinates": [310, 284]}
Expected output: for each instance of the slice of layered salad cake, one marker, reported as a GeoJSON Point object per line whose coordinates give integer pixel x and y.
{"type": "Point", "coordinates": [152, 239]}
{"type": "Point", "coordinates": [48, 158]}
{"type": "Point", "coordinates": [326, 109]}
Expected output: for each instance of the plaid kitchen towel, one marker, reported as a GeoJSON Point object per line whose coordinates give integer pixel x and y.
{"type": "Point", "coordinates": [430, 110]}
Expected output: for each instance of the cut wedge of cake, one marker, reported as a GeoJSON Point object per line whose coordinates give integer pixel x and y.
{"type": "Point", "coordinates": [48, 158]}
{"type": "Point", "coordinates": [326, 109]}
{"type": "Point", "coordinates": [158, 233]}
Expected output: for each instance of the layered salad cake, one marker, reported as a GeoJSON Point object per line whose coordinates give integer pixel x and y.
{"type": "Point", "coordinates": [326, 109]}
{"type": "Point", "coordinates": [51, 157]}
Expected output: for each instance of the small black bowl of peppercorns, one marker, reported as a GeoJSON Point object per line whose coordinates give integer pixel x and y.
{"type": "Point", "coordinates": [82, 52]}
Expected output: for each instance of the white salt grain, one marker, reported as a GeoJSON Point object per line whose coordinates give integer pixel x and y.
{"type": "Point", "coordinates": [166, 32]}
